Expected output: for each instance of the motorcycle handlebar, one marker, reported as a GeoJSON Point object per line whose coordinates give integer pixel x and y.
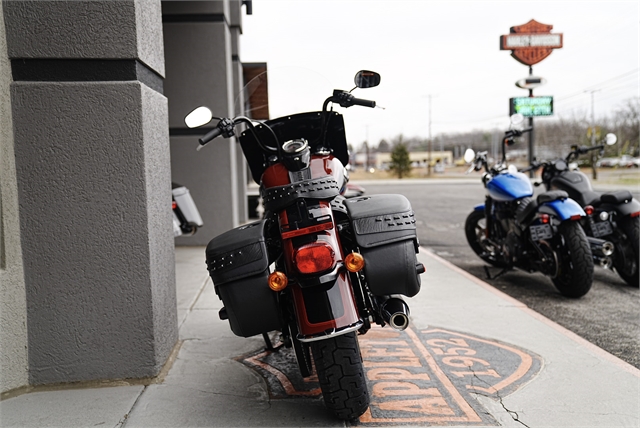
{"type": "Point", "coordinates": [516, 132]}
{"type": "Point", "coordinates": [577, 151]}
{"type": "Point", "coordinates": [532, 167]}
{"type": "Point", "coordinates": [225, 127]}
{"type": "Point", "coordinates": [363, 103]}
{"type": "Point", "coordinates": [209, 136]}
{"type": "Point", "coordinates": [599, 147]}
{"type": "Point", "coordinates": [345, 99]}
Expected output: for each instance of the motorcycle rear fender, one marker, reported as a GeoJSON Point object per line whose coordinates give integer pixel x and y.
{"type": "Point", "coordinates": [326, 309]}
{"type": "Point", "coordinates": [624, 209]}
{"type": "Point", "coordinates": [324, 301]}
{"type": "Point", "coordinates": [563, 209]}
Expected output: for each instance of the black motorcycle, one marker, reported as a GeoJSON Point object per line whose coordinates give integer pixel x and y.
{"type": "Point", "coordinates": [612, 218]}
{"type": "Point", "coordinates": [512, 229]}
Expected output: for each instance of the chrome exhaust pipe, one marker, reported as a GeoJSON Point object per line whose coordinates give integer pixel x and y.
{"type": "Point", "coordinates": [606, 262]}
{"type": "Point", "coordinates": [600, 247]}
{"type": "Point", "coordinates": [607, 248]}
{"type": "Point", "coordinates": [395, 312]}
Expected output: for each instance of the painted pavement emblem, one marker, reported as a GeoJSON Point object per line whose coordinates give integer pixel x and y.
{"type": "Point", "coordinates": [427, 376]}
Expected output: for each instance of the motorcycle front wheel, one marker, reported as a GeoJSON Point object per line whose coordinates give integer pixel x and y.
{"type": "Point", "coordinates": [475, 231]}
{"type": "Point", "coordinates": [341, 375]}
{"type": "Point", "coordinates": [575, 270]}
{"type": "Point", "coordinates": [627, 257]}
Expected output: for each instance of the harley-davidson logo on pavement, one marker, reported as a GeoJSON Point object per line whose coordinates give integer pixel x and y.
{"type": "Point", "coordinates": [426, 376]}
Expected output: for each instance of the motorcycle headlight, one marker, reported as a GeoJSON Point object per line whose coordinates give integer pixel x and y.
{"type": "Point", "coordinates": [296, 154]}
{"type": "Point", "coordinates": [294, 146]}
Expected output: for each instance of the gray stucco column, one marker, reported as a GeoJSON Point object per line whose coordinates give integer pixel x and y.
{"type": "Point", "coordinates": [235, 28]}
{"type": "Point", "coordinates": [198, 53]}
{"type": "Point", "coordinates": [93, 173]}
{"type": "Point", "coordinates": [14, 368]}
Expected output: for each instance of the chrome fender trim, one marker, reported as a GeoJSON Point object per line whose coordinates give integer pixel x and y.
{"type": "Point", "coordinates": [330, 333]}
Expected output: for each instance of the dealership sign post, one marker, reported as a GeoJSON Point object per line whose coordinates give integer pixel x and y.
{"type": "Point", "coordinates": [529, 44]}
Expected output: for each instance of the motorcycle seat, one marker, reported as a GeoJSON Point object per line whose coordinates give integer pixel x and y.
{"type": "Point", "coordinates": [617, 197]}
{"type": "Point", "coordinates": [551, 195]}
{"type": "Point", "coordinates": [588, 198]}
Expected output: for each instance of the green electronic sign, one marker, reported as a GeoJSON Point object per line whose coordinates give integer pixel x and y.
{"type": "Point", "coordinates": [531, 106]}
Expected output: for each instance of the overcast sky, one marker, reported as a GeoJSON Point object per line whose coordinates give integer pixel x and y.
{"type": "Point", "coordinates": [449, 50]}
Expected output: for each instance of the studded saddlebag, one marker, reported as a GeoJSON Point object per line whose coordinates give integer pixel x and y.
{"type": "Point", "coordinates": [385, 230]}
{"type": "Point", "coordinates": [238, 264]}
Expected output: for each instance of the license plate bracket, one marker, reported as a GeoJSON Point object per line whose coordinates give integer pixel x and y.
{"type": "Point", "coordinates": [601, 228]}
{"type": "Point", "coordinates": [542, 231]}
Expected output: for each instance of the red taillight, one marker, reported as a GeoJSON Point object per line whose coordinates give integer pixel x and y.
{"type": "Point", "coordinates": [174, 205]}
{"type": "Point", "coordinates": [636, 214]}
{"type": "Point", "coordinates": [544, 218]}
{"type": "Point", "coordinates": [588, 209]}
{"type": "Point", "coordinates": [575, 217]}
{"type": "Point", "coordinates": [314, 258]}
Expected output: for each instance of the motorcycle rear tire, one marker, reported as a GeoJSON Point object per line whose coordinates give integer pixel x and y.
{"type": "Point", "coordinates": [627, 265]}
{"type": "Point", "coordinates": [575, 270]}
{"type": "Point", "coordinates": [472, 227]}
{"type": "Point", "coordinates": [341, 375]}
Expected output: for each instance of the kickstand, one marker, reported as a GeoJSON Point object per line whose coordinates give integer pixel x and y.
{"type": "Point", "coordinates": [489, 277]}
{"type": "Point", "coordinates": [267, 341]}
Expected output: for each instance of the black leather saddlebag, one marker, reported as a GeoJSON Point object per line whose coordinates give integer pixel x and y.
{"type": "Point", "coordinates": [385, 230]}
{"type": "Point", "coordinates": [238, 264]}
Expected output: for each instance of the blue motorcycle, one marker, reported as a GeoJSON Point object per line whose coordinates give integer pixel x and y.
{"type": "Point", "coordinates": [514, 229]}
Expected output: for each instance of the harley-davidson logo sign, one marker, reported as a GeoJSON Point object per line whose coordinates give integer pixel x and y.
{"type": "Point", "coordinates": [417, 377]}
{"type": "Point", "coordinates": [531, 43]}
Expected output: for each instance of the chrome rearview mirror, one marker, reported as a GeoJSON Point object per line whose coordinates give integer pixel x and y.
{"type": "Point", "coordinates": [367, 79]}
{"type": "Point", "coordinates": [611, 139]}
{"type": "Point", "coordinates": [469, 155]}
{"type": "Point", "coordinates": [516, 119]}
{"type": "Point", "coordinates": [198, 117]}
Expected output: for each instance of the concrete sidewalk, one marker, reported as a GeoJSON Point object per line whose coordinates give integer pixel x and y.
{"type": "Point", "coordinates": [527, 370]}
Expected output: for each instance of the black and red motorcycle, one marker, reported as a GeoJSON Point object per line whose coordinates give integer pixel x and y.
{"type": "Point", "coordinates": [319, 268]}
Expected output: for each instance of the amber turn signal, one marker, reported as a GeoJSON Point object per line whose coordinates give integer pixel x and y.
{"type": "Point", "coordinates": [354, 262]}
{"type": "Point", "coordinates": [278, 281]}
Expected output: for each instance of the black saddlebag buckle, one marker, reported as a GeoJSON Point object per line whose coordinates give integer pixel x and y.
{"type": "Point", "coordinates": [385, 230]}
{"type": "Point", "coordinates": [238, 264]}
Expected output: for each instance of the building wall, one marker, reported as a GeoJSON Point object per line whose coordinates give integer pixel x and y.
{"type": "Point", "coordinates": [87, 281]}
{"type": "Point", "coordinates": [235, 27]}
{"type": "Point", "coordinates": [13, 309]}
{"type": "Point", "coordinates": [199, 41]}
{"type": "Point", "coordinates": [93, 177]}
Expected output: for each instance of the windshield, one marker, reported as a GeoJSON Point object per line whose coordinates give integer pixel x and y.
{"type": "Point", "coordinates": [289, 100]}
{"type": "Point", "coordinates": [281, 91]}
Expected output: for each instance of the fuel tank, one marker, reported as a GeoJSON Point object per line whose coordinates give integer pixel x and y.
{"type": "Point", "coordinates": [572, 181]}
{"type": "Point", "coordinates": [509, 186]}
